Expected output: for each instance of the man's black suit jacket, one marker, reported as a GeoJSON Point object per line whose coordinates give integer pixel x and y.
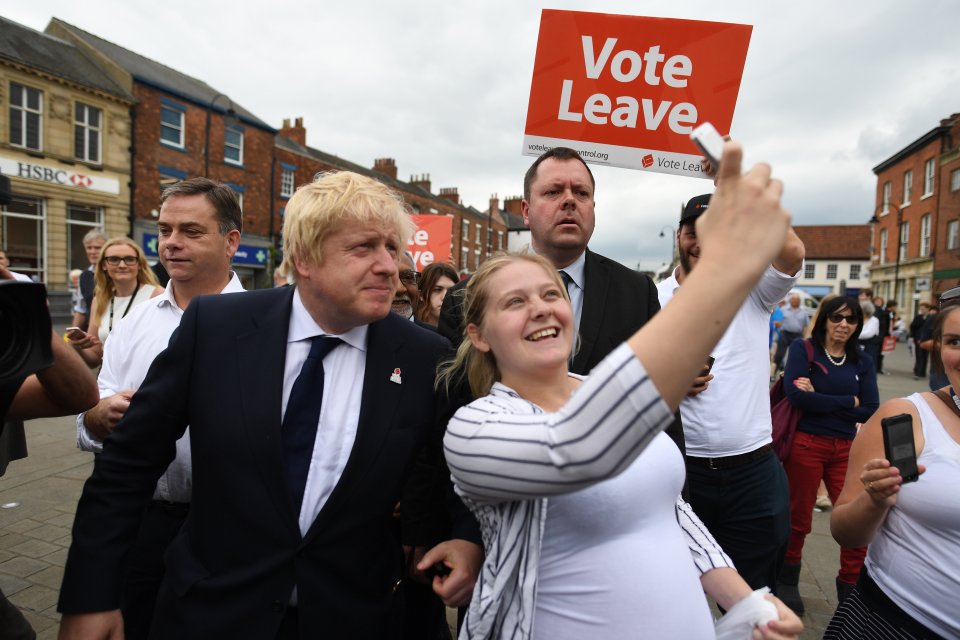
{"type": "Point", "coordinates": [617, 301]}
{"type": "Point", "coordinates": [232, 568]}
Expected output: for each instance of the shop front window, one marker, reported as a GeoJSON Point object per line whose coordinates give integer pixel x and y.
{"type": "Point", "coordinates": [23, 236]}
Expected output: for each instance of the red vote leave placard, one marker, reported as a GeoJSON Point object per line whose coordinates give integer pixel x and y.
{"type": "Point", "coordinates": [627, 90]}
{"type": "Point", "coordinates": [431, 241]}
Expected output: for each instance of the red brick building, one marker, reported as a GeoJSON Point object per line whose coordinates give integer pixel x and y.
{"type": "Point", "coordinates": [913, 251]}
{"type": "Point", "coordinates": [475, 234]}
{"type": "Point", "coordinates": [946, 263]}
{"type": "Point", "coordinates": [183, 128]}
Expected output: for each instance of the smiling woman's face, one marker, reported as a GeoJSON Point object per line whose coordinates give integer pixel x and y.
{"type": "Point", "coordinates": [527, 323]}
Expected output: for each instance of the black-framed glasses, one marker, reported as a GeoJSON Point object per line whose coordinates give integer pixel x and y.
{"type": "Point", "coordinates": [837, 318]}
{"type": "Point", "coordinates": [409, 276]}
{"type": "Point", "coordinates": [127, 260]}
{"type": "Point", "coordinates": [950, 297]}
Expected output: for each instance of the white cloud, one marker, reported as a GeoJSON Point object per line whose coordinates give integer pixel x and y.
{"type": "Point", "coordinates": [829, 90]}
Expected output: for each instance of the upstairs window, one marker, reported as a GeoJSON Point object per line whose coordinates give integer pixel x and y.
{"type": "Point", "coordinates": [928, 170]}
{"type": "Point", "coordinates": [233, 145]}
{"type": "Point", "coordinates": [171, 126]}
{"type": "Point", "coordinates": [286, 183]}
{"type": "Point", "coordinates": [925, 236]}
{"type": "Point", "coordinates": [86, 133]}
{"type": "Point", "coordinates": [26, 117]}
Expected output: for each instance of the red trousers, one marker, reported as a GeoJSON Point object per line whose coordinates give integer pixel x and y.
{"type": "Point", "coordinates": [812, 459]}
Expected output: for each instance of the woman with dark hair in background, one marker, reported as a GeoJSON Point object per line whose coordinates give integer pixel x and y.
{"type": "Point", "coordinates": [908, 586]}
{"type": "Point", "coordinates": [837, 390]}
{"type": "Point", "coordinates": [435, 279]}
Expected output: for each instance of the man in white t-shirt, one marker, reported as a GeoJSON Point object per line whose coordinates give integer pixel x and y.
{"type": "Point", "coordinates": [737, 485]}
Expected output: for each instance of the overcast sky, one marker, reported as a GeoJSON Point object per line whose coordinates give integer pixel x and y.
{"type": "Point", "coordinates": [830, 89]}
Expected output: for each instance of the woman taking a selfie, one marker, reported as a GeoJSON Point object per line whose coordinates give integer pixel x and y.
{"type": "Point", "coordinates": [574, 485]}
{"type": "Point", "coordinates": [908, 585]}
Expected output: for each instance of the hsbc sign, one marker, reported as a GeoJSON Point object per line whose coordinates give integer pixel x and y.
{"type": "Point", "coordinates": [58, 175]}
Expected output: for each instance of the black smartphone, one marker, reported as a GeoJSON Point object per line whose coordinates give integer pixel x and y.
{"type": "Point", "coordinates": [710, 361]}
{"type": "Point", "coordinates": [898, 445]}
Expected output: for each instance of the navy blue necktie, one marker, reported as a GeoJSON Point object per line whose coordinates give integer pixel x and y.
{"type": "Point", "coordinates": [299, 430]}
{"type": "Point", "coordinates": [566, 280]}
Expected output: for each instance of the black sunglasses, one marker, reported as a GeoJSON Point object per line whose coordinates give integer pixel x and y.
{"type": "Point", "coordinates": [410, 277]}
{"type": "Point", "coordinates": [837, 318]}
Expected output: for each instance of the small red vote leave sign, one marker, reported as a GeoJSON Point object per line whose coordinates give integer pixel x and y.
{"type": "Point", "coordinates": [627, 91]}
{"type": "Point", "coordinates": [431, 241]}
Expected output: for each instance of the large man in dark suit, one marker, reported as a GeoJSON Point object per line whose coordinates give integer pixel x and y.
{"type": "Point", "coordinates": [262, 554]}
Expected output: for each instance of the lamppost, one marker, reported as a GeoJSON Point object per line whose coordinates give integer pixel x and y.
{"type": "Point", "coordinates": [896, 265]}
{"type": "Point", "coordinates": [664, 230]}
{"type": "Point", "coordinates": [230, 116]}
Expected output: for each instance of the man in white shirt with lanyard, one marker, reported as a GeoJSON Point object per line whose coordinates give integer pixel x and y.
{"type": "Point", "coordinates": [199, 231]}
{"type": "Point", "coordinates": [737, 485]}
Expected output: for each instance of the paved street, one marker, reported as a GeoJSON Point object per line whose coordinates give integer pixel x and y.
{"type": "Point", "coordinates": [38, 496]}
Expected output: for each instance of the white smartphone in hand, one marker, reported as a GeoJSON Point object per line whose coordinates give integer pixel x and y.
{"type": "Point", "coordinates": [709, 141]}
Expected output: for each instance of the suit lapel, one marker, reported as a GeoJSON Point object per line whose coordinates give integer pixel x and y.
{"type": "Point", "coordinates": [378, 407]}
{"type": "Point", "coordinates": [594, 296]}
{"type": "Point", "coordinates": [261, 355]}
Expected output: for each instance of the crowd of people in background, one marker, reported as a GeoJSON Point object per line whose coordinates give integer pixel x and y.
{"type": "Point", "coordinates": [555, 445]}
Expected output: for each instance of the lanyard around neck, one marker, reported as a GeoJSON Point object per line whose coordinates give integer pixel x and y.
{"type": "Point", "coordinates": [125, 311]}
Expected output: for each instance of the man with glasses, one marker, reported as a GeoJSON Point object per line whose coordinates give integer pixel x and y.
{"type": "Point", "coordinates": [407, 292]}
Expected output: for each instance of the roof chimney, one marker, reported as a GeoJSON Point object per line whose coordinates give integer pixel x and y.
{"type": "Point", "coordinates": [512, 205]}
{"type": "Point", "coordinates": [451, 194]}
{"type": "Point", "coordinates": [422, 181]}
{"type": "Point", "coordinates": [386, 166]}
{"type": "Point", "coordinates": [296, 133]}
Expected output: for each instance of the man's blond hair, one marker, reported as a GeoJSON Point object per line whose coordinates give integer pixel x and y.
{"type": "Point", "coordinates": [319, 208]}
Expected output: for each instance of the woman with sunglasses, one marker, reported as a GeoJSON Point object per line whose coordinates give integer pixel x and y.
{"type": "Point", "coordinates": [122, 280]}
{"type": "Point", "coordinates": [836, 391]}
{"type": "Point", "coordinates": [908, 587]}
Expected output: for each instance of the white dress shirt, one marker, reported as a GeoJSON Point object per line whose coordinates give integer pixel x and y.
{"type": "Point", "coordinates": [127, 355]}
{"type": "Point", "coordinates": [340, 410]}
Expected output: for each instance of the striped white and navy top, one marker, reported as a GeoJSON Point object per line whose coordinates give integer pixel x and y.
{"type": "Point", "coordinates": [507, 457]}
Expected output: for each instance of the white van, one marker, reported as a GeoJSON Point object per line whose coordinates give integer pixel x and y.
{"type": "Point", "coordinates": [807, 301]}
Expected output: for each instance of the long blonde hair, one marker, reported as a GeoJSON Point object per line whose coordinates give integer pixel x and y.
{"type": "Point", "coordinates": [479, 367]}
{"type": "Point", "coordinates": [104, 287]}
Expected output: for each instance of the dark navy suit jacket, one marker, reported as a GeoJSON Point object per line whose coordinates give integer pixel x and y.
{"type": "Point", "coordinates": [231, 570]}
